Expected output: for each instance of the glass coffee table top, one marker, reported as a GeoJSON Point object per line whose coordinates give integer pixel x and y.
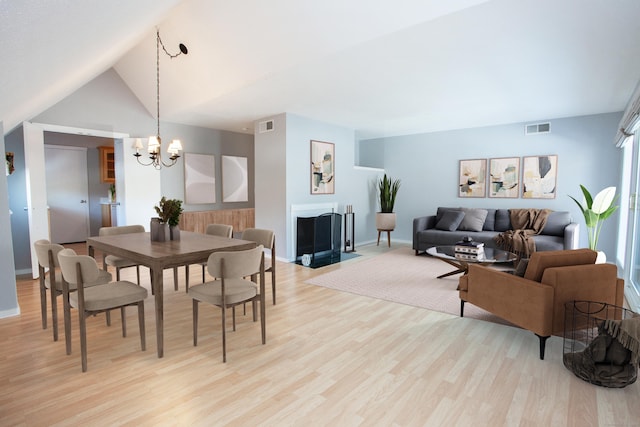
{"type": "Point", "coordinates": [462, 260]}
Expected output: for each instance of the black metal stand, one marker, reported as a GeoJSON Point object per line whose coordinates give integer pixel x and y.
{"type": "Point", "coordinates": [349, 232]}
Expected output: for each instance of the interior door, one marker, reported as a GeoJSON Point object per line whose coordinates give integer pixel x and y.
{"type": "Point", "coordinates": [67, 193]}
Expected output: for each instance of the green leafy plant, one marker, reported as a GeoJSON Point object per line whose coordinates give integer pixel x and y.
{"type": "Point", "coordinates": [596, 210]}
{"type": "Point", "coordinates": [387, 191]}
{"type": "Point", "coordinates": [169, 210]}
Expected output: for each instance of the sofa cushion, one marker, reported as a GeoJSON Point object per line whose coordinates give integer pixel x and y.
{"type": "Point", "coordinates": [540, 261]}
{"type": "Point", "coordinates": [441, 211]}
{"type": "Point", "coordinates": [473, 219]}
{"type": "Point", "coordinates": [490, 220]}
{"type": "Point", "coordinates": [503, 220]}
{"type": "Point", "coordinates": [556, 223]}
{"type": "Point", "coordinates": [450, 220]}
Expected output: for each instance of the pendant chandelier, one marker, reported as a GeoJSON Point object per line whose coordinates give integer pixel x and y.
{"type": "Point", "coordinates": [154, 147]}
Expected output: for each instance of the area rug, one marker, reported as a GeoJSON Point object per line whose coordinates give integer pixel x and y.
{"type": "Point", "coordinates": [400, 276]}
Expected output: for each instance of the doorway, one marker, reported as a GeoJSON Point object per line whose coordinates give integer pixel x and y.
{"type": "Point", "coordinates": [67, 193]}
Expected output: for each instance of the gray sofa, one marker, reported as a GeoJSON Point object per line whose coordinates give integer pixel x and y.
{"type": "Point", "coordinates": [450, 225]}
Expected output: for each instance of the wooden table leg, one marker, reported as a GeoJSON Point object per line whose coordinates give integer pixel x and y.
{"type": "Point", "coordinates": [156, 283]}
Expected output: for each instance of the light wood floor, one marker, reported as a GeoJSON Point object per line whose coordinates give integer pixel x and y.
{"type": "Point", "coordinates": [331, 358]}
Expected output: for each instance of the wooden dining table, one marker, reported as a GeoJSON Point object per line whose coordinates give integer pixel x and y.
{"type": "Point", "coordinates": [192, 248]}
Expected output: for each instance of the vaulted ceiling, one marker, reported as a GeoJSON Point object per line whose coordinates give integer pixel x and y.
{"type": "Point", "coordinates": [380, 67]}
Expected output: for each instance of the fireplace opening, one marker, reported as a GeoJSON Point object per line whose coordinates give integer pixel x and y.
{"type": "Point", "coordinates": [319, 237]}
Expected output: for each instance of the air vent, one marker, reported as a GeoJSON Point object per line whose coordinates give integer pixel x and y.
{"type": "Point", "coordinates": [266, 126]}
{"type": "Point", "coordinates": [537, 128]}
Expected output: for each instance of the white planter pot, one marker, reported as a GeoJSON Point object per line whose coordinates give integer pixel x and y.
{"type": "Point", "coordinates": [385, 221]}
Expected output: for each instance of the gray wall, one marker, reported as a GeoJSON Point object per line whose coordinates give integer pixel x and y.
{"type": "Point", "coordinates": [8, 292]}
{"type": "Point", "coordinates": [428, 166]}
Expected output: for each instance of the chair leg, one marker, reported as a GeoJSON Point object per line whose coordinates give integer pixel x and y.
{"type": "Point", "coordinates": [543, 342]}
{"type": "Point", "coordinates": [124, 322]}
{"type": "Point", "coordinates": [108, 316]}
{"type": "Point", "coordinates": [203, 274]}
{"type": "Point", "coordinates": [175, 278]}
{"type": "Point", "coordinates": [233, 312]}
{"type": "Point", "coordinates": [186, 278]}
{"type": "Point", "coordinates": [67, 322]}
{"type": "Point", "coordinates": [195, 322]}
{"type": "Point", "coordinates": [461, 308]}
{"type": "Point", "coordinates": [137, 274]}
{"type": "Point", "coordinates": [224, 333]}
{"type": "Point", "coordinates": [273, 284]}
{"type": "Point", "coordinates": [54, 313]}
{"type": "Point", "coordinates": [263, 319]}
{"type": "Point", "coordinates": [117, 274]}
{"type": "Point", "coordinates": [43, 301]}
{"type": "Point", "coordinates": [83, 340]}
{"type": "Point", "coordinates": [143, 342]}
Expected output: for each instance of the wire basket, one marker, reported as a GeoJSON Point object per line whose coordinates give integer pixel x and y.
{"type": "Point", "coordinates": [590, 352]}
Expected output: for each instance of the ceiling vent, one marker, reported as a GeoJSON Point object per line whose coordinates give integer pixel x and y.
{"type": "Point", "coordinates": [266, 126]}
{"type": "Point", "coordinates": [537, 128]}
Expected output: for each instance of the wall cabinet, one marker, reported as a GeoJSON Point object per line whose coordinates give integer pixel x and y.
{"type": "Point", "coordinates": [107, 165]}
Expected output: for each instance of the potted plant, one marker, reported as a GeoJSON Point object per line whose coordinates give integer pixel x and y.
{"type": "Point", "coordinates": [387, 189]}
{"type": "Point", "coordinates": [595, 211]}
{"type": "Point", "coordinates": [168, 211]}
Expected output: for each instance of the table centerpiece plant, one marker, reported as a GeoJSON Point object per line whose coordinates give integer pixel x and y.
{"type": "Point", "coordinates": [595, 210]}
{"type": "Point", "coordinates": [169, 211]}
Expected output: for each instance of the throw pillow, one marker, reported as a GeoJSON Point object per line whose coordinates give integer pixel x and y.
{"type": "Point", "coordinates": [473, 219]}
{"type": "Point", "coordinates": [450, 221]}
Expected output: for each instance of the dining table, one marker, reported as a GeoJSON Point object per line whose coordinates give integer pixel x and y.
{"type": "Point", "coordinates": [191, 248]}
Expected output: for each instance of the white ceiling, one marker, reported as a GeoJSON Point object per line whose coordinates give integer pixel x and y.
{"type": "Point", "coordinates": [380, 67]}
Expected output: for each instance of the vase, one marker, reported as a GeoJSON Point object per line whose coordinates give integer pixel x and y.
{"type": "Point", "coordinates": [174, 232]}
{"type": "Point", "coordinates": [601, 258]}
{"type": "Point", "coordinates": [159, 230]}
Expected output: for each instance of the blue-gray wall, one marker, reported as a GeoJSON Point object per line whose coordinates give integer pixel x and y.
{"type": "Point", "coordinates": [8, 290]}
{"type": "Point", "coordinates": [428, 166]}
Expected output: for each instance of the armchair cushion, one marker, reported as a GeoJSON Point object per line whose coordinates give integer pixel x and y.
{"type": "Point", "coordinates": [540, 261]}
{"type": "Point", "coordinates": [450, 221]}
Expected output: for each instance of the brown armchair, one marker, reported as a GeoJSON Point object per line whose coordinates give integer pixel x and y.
{"type": "Point", "coordinates": [536, 301]}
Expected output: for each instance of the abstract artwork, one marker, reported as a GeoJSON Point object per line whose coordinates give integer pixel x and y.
{"type": "Point", "coordinates": [199, 178]}
{"type": "Point", "coordinates": [322, 167]}
{"type": "Point", "coordinates": [504, 177]}
{"type": "Point", "coordinates": [235, 179]}
{"type": "Point", "coordinates": [539, 175]}
{"type": "Point", "coordinates": [473, 176]}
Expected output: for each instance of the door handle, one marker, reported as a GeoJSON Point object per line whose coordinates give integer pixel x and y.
{"type": "Point", "coordinates": [83, 201]}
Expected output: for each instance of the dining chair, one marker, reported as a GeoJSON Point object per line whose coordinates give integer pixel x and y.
{"type": "Point", "coordinates": [230, 288]}
{"type": "Point", "coordinates": [116, 261]}
{"type": "Point", "coordinates": [51, 278]}
{"type": "Point", "coordinates": [80, 270]}
{"type": "Point", "coordinates": [222, 230]}
{"type": "Point", "coordinates": [266, 238]}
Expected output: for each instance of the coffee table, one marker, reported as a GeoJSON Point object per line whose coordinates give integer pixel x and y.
{"type": "Point", "coordinates": [448, 254]}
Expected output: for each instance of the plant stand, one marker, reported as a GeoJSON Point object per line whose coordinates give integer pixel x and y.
{"type": "Point", "coordinates": [388, 236]}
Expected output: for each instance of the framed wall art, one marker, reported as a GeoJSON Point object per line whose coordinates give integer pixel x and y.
{"type": "Point", "coordinates": [235, 179]}
{"type": "Point", "coordinates": [504, 177]}
{"type": "Point", "coordinates": [539, 177]}
{"type": "Point", "coordinates": [473, 176]}
{"type": "Point", "coordinates": [199, 178]}
{"type": "Point", "coordinates": [323, 167]}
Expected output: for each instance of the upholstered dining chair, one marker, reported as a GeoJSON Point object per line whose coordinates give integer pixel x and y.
{"type": "Point", "coordinates": [222, 230]}
{"type": "Point", "coordinates": [79, 270]}
{"type": "Point", "coordinates": [51, 278]}
{"type": "Point", "coordinates": [266, 238]}
{"type": "Point", "coordinates": [230, 288]}
{"type": "Point", "coordinates": [116, 261]}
